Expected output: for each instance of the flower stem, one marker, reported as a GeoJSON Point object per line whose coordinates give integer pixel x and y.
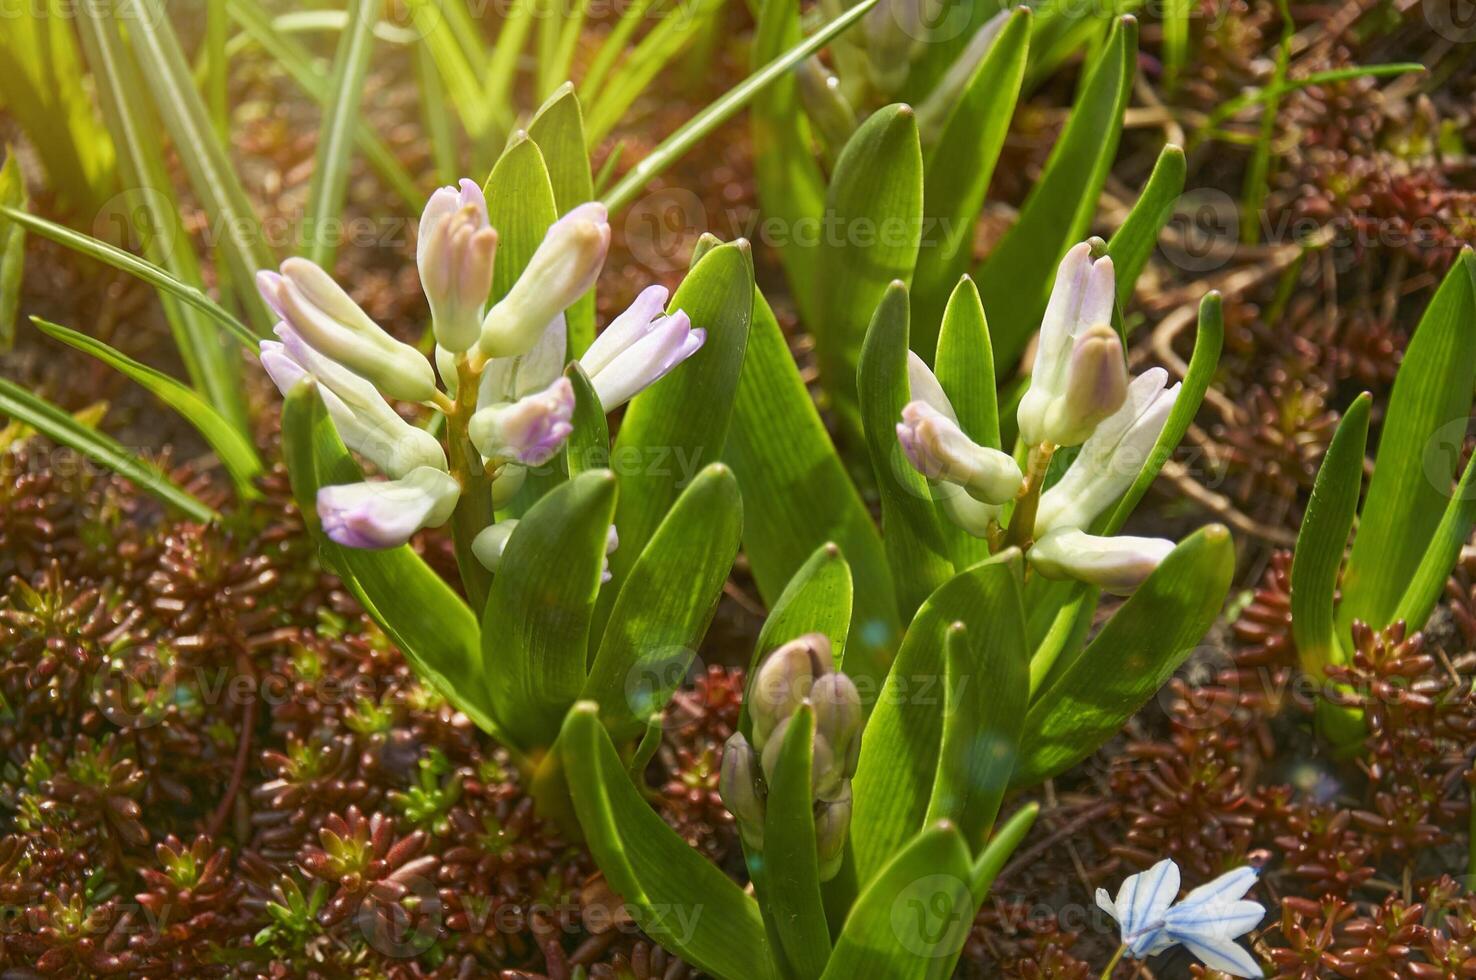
{"type": "Point", "coordinates": [474, 510]}
{"type": "Point", "coordinates": [1021, 531]}
{"type": "Point", "coordinates": [1112, 964]}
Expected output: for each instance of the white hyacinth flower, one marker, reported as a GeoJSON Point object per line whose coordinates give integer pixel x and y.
{"type": "Point", "coordinates": [385, 513]}
{"type": "Point", "coordinates": [1109, 461]}
{"type": "Point", "coordinates": [1207, 922]}
{"type": "Point", "coordinates": [1080, 375]}
{"type": "Point", "coordinates": [638, 348]}
{"type": "Point", "coordinates": [529, 430]}
{"type": "Point", "coordinates": [454, 251]}
{"type": "Point", "coordinates": [1117, 565]}
{"type": "Point", "coordinates": [562, 269]}
{"type": "Point", "coordinates": [941, 451]}
{"type": "Point", "coordinates": [329, 320]}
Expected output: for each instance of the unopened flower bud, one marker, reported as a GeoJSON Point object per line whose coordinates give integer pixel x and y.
{"type": "Point", "coordinates": [1117, 564]}
{"type": "Point", "coordinates": [638, 348]}
{"type": "Point", "coordinates": [506, 379]}
{"type": "Point", "coordinates": [490, 543]}
{"type": "Point", "coordinates": [563, 268]}
{"type": "Point", "coordinates": [384, 514]}
{"type": "Point", "coordinates": [1073, 352]}
{"type": "Point", "coordinates": [938, 449]}
{"type": "Point", "coordinates": [783, 683]}
{"type": "Point", "coordinates": [826, 771]}
{"type": "Point", "coordinates": [330, 321]}
{"type": "Point", "coordinates": [738, 785]}
{"type": "Point", "coordinates": [838, 718]}
{"type": "Point", "coordinates": [454, 252]}
{"type": "Point", "coordinates": [529, 430]}
{"type": "Point", "coordinates": [832, 826]}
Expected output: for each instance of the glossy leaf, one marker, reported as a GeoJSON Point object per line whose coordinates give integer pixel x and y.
{"type": "Point", "coordinates": [235, 451]}
{"type": "Point", "coordinates": [1323, 540]}
{"type": "Point", "coordinates": [678, 897]}
{"type": "Point", "coordinates": [521, 206]}
{"type": "Point", "coordinates": [1410, 483]}
{"type": "Point", "coordinates": [1428, 583]}
{"type": "Point", "coordinates": [1136, 237]}
{"type": "Point", "coordinates": [992, 859]}
{"type": "Point", "coordinates": [1016, 279]}
{"type": "Point", "coordinates": [1134, 654]}
{"type": "Point", "coordinates": [916, 546]}
{"type": "Point", "coordinates": [667, 602]}
{"type": "Point", "coordinates": [536, 624]}
{"type": "Point", "coordinates": [797, 496]}
{"type": "Point", "coordinates": [588, 446]}
{"type": "Point", "coordinates": [868, 241]}
{"type": "Point", "coordinates": [34, 411]}
{"type": "Point", "coordinates": [965, 368]}
{"type": "Point", "coordinates": [791, 868]}
{"type": "Point", "coordinates": [957, 176]}
{"type": "Point", "coordinates": [558, 129]}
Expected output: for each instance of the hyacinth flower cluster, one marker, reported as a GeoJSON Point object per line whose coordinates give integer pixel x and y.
{"type": "Point", "coordinates": [502, 387]}
{"type": "Point", "coordinates": [1207, 921]}
{"type": "Point", "coordinates": [800, 673]}
{"type": "Point", "coordinates": [1080, 397]}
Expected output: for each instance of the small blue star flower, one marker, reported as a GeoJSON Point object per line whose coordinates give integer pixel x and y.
{"type": "Point", "coordinates": [1207, 922]}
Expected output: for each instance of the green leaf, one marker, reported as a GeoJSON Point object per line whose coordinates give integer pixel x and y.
{"type": "Point", "coordinates": [790, 183]}
{"type": "Point", "coordinates": [520, 205]}
{"type": "Point", "coordinates": [987, 682]}
{"type": "Point", "coordinates": [868, 242]}
{"type": "Point", "coordinates": [336, 136]}
{"type": "Point", "coordinates": [236, 453]}
{"type": "Point", "coordinates": [667, 601]}
{"type": "Point", "coordinates": [150, 214]}
{"type": "Point", "coordinates": [395, 587]}
{"type": "Point", "coordinates": [916, 546]}
{"type": "Point", "coordinates": [59, 427]}
{"type": "Point", "coordinates": [1016, 278]}
{"type": "Point", "coordinates": [678, 897]}
{"type": "Point", "coordinates": [791, 867]}
{"type": "Point", "coordinates": [997, 852]}
{"type": "Point", "coordinates": [205, 159]}
{"type": "Point", "coordinates": [679, 425]}
{"type": "Point", "coordinates": [12, 248]}
{"type": "Point", "coordinates": [588, 446]}
{"type": "Point", "coordinates": [1208, 341]}
{"type": "Point", "coordinates": [536, 624]}
{"type": "Point", "coordinates": [669, 150]}
{"type": "Point", "coordinates": [965, 368]}
{"type": "Point", "coordinates": [816, 600]}
{"type": "Point", "coordinates": [1406, 496]}
{"type": "Point", "coordinates": [1134, 655]}
{"type": "Point", "coordinates": [1454, 530]}
{"type": "Point", "coordinates": [911, 922]}
{"type": "Point", "coordinates": [797, 496]}
{"type": "Point", "coordinates": [558, 129]}
{"type": "Point", "coordinates": [901, 743]}
{"type": "Point", "coordinates": [1136, 237]}
{"type": "Point", "coordinates": [957, 176]}
{"type": "Point", "coordinates": [1323, 540]}
{"type": "Point", "coordinates": [134, 266]}
{"type": "Point", "coordinates": [443, 41]}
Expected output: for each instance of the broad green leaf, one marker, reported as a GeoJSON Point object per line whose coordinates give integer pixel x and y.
{"type": "Point", "coordinates": [1323, 540]}
{"type": "Point", "coordinates": [134, 266]}
{"type": "Point", "coordinates": [791, 871]}
{"type": "Point", "coordinates": [150, 214]}
{"type": "Point", "coordinates": [901, 743]}
{"type": "Point", "coordinates": [791, 186]}
{"type": "Point", "coordinates": [868, 240]}
{"type": "Point", "coordinates": [1133, 655]}
{"type": "Point", "coordinates": [558, 129]}
{"type": "Point", "coordinates": [399, 590]}
{"type": "Point", "coordinates": [336, 136]}
{"type": "Point", "coordinates": [1406, 495]}
{"type": "Point", "coordinates": [987, 681]}
{"type": "Point", "coordinates": [667, 601]}
{"type": "Point", "coordinates": [957, 176]}
{"type": "Point", "coordinates": [911, 922]}
{"type": "Point", "coordinates": [536, 624]}
{"type": "Point", "coordinates": [816, 600]}
{"type": "Point", "coordinates": [678, 897]}
{"type": "Point", "coordinates": [797, 496]}
{"type": "Point", "coordinates": [992, 859]}
{"type": "Point", "coordinates": [205, 158]}
{"type": "Point", "coordinates": [965, 368]}
{"type": "Point", "coordinates": [1454, 530]}
{"type": "Point", "coordinates": [299, 63]}
{"type": "Point", "coordinates": [521, 206]}
{"type": "Point", "coordinates": [915, 543]}
{"type": "Point", "coordinates": [1208, 340]}
{"type": "Point", "coordinates": [59, 427]}
{"type": "Point", "coordinates": [1016, 278]}
{"type": "Point", "coordinates": [679, 425]}
{"type": "Point", "coordinates": [1135, 238]}
{"type": "Point", "coordinates": [588, 446]}
{"type": "Point", "coordinates": [236, 453]}
{"type": "Point", "coordinates": [12, 248]}
{"type": "Point", "coordinates": [719, 110]}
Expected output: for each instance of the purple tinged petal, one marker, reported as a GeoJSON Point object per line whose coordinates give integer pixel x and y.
{"type": "Point", "coordinates": [384, 514]}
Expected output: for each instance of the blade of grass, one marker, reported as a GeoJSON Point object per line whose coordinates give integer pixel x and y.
{"type": "Point", "coordinates": [217, 65]}
{"type": "Point", "coordinates": [12, 249]}
{"type": "Point", "coordinates": [613, 47]}
{"type": "Point", "coordinates": [437, 115]}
